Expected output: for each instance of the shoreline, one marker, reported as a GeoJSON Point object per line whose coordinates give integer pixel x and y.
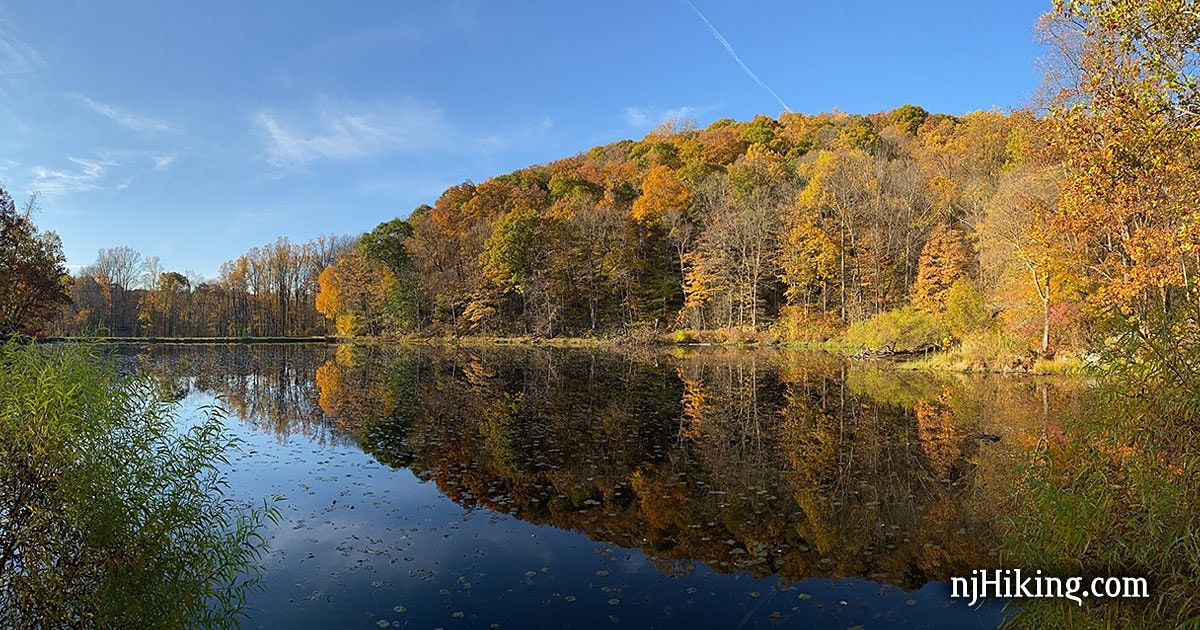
{"type": "Point", "coordinates": [191, 340]}
{"type": "Point", "coordinates": [916, 361]}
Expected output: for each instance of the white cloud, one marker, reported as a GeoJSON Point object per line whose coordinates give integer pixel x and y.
{"type": "Point", "coordinates": [100, 171]}
{"type": "Point", "coordinates": [87, 175]}
{"type": "Point", "coordinates": [636, 116]}
{"type": "Point", "coordinates": [343, 130]}
{"type": "Point", "coordinates": [123, 117]}
{"type": "Point", "coordinates": [18, 60]}
{"type": "Point", "coordinates": [648, 118]}
{"type": "Point", "coordinates": [161, 162]}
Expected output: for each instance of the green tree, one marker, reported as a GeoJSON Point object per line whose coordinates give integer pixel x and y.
{"type": "Point", "coordinates": [388, 244]}
{"type": "Point", "coordinates": [508, 255]}
{"type": "Point", "coordinates": [32, 271]}
{"type": "Point", "coordinates": [908, 118]}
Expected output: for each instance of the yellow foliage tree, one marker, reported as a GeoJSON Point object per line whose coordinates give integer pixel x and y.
{"type": "Point", "coordinates": [698, 282]}
{"type": "Point", "coordinates": [1023, 242]}
{"type": "Point", "coordinates": [662, 192]}
{"type": "Point", "coordinates": [810, 257]}
{"type": "Point", "coordinates": [1128, 133]}
{"type": "Point", "coordinates": [351, 291]}
{"type": "Point", "coordinates": [329, 301]}
{"type": "Point", "coordinates": [840, 185]}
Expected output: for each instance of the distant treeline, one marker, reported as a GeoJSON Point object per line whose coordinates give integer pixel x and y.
{"type": "Point", "coordinates": [268, 292]}
{"type": "Point", "coordinates": [802, 221]}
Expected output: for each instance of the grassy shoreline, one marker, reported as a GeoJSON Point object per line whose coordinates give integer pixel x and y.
{"type": "Point", "coordinates": [946, 360]}
{"type": "Point", "coordinates": [191, 340]}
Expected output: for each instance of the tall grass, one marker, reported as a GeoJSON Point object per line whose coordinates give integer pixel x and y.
{"type": "Point", "coordinates": [1116, 491]}
{"type": "Point", "coordinates": [111, 514]}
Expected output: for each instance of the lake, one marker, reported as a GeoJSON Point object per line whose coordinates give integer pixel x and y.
{"type": "Point", "coordinates": [517, 487]}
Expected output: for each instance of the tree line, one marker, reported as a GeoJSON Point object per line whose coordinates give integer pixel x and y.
{"type": "Point", "coordinates": [269, 291]}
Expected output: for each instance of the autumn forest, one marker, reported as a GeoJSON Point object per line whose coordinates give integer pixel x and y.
{"type": "Point", "coordinates": [999, 235]}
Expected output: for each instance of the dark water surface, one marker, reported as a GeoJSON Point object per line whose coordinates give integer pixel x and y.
{"type": "Point", "coordinates": [533, 487]}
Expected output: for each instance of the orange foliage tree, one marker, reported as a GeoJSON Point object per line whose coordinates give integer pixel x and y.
{"type": "Point", "coordinates": [944, 259]}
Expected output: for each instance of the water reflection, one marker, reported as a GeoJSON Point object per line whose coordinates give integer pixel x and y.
{"type": "Point", "coordinates": [773, 464]}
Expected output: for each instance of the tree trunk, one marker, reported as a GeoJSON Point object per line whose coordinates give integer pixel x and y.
{"type": "Point", "coordinates": [1045, 326]}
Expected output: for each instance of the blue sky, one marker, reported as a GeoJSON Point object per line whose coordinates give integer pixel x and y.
{"type": "Point", "coordinates": [193, 131]}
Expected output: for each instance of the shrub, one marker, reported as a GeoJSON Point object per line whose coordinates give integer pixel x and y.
{"type": "Point", "coordinates": [682, 336]}
{"type": "Point", "coordinates": [967, 311]}
{"type": "Point", "coordinates": [732, 336]}
{"type": "Point", "coordinates": [110, 514]}
{"type": "Point", "coordinates": [797, 325]}
{"type": "Point", "coordinates": [901, 330]}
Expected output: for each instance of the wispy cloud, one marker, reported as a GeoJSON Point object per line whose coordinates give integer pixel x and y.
{"type": "Point", "coordinates": [649, 117]}
{"type": "Point", "coordinates": [105, 169]}
{"type": "Point", "coordinates": [123, 117]}
{"type": "Point", "coordinates": [733, 53]}
{"type": "Point", "coordinates": [162, 162]}
{"type": "Point", "coordinates": [342, 130]}
{"type": "Point", "coordinates": [87, 174]}
{"type": "Point", "coordinates": [523, 135]}
{"type": "Point", "coordinates": [18, 60]}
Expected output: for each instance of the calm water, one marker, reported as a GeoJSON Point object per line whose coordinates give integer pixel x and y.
{"type": "Point", "coordinates": [578, 488]}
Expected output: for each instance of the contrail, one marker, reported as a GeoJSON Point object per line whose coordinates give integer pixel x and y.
{"type": "Point", "coordinates": [732, 53]}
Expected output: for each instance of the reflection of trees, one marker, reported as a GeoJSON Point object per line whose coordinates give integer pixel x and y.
{"type": "Point", "coordinates": [753, 462]}
{"type": "Point", "coordinates": [766, 463]}
{"type": "Point", "coordinates": [270, 386]}
{"type": "Point", "coordinates": [837, 484]}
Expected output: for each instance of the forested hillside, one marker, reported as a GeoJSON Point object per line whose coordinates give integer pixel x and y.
{"type": "Point", "coordinates": [805, 222]}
